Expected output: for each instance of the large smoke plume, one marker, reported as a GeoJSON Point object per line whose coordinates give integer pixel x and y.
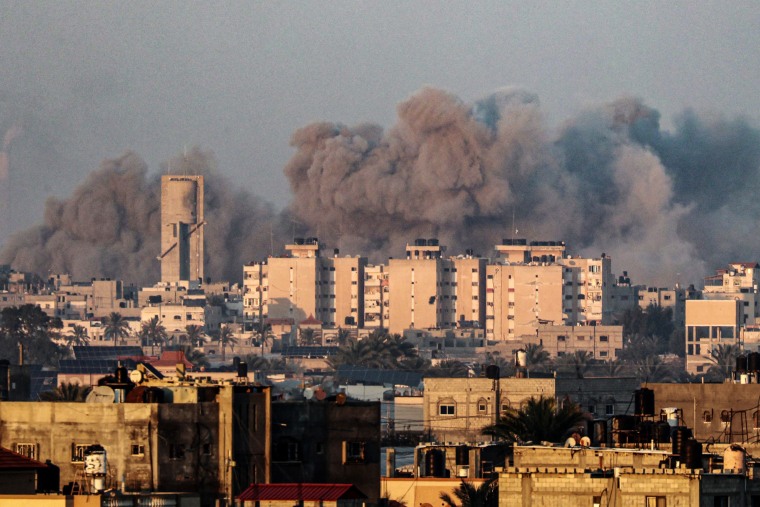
{"type": "Point", "coordinates": [667, 205]}
{"type": "Point", "coordinates": [110, 226]}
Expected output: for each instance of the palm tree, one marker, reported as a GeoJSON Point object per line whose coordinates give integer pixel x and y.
{"type": "Point", "coordinates": [194, 335]}
{"type": "Point", "coordinates": [724, 359]}
{"type": "Point", "coordinates": [378, 350]}
{"type": "Point", "coordinates": [485, 495]}
{"type": "Point", "coordinates": [195, 356]}
{"type": "Point", "coordinates": [77, 337]}
{"type": "Point", "coordinates": [226, 338]}
{"type": "Point", "coordinates": [66, 392]}
{"type": "Point", "coordinates": [154, 333]}
{"type": "Point", "coordinates": [535, 356]}
{"type": "Point", "coordinates": [578, 362]}
{"type": "Point", "coordinates": [654, 369]}
{"type": "Point", "coordinates": [116, 328]}
{"type": "Point", "coordinates": [449, 368]}
{"type": "Point", "coordinates": [538, 420]}
{"type": "Point", "coordinates": [506, 366]}
{"type": "Point", "coordinates": [343, 336]}
{"type": "Point", "coordinates": [308, 337]}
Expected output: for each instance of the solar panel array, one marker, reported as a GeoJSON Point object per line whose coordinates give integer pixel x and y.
{"type": "Point", "coordinates": [86, 366]}
{"type": "Point", "coordinates": [308, 351]}
{"type": "Point", "coordinates": [380, 377]}
{"type": "Point", "coordinates": [98, 352]}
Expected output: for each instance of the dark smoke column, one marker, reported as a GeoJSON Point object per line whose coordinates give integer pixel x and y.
{"type": "Point", "coordinates": [5, 184]}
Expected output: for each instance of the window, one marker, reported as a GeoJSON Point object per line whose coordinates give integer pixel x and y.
{"type": "Point", "coordinates": [604, 338]}
{"type": "Point", "coordinates": [287, 450]}
{"type": "Point", "coordinates": [707, 416]}
{"type": "Point", "coordinates": [27, 449]}
{"type": "Point", "coordinates": [602, 353]}
{"type": "Point", "coordinates": [353, 452]}
{"type": "Point", "coordinates": [561, 338]}
{"type": "Point", "coordinates": [176, 451]}
{"type": "Point", "coordinates": [482, 406]}
{"type": "Point", "coordinates": [138, 450]}
{"type": "Point", "coordinates": [609, 409]}
{"type": "Point", "coordinates": [447, 409]}
{"type": "Point", "coordinates": [655, 501]}
{"type": "Point", "coordinates": [77, 452]}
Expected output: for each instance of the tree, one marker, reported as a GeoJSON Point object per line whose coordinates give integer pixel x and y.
{"type": "Point", "coordinates": [31, 330]}
{"type": "Point", "coordinates": [308, 337]}
{"type": "Point", "coordinates": [77, 337]}
{"type": "Point", "coordinates": [654, 369]}
{"type": "Point", "coordinates": [537, 421]}
{"type": "Point", "coordinates": [194, 335]}
{"type": "Point", "coordinates": [578, 362]}
{"type": "Point", "coordinates": [485, 495]}
{"type": "Point", "coordinates": [724, 359]}
{"type": "Point", "coordinates": [535, 356]}
{"type": "Point", "coordinates": [226, 339]}
{"type": "Point", "coordinates": [449, 368]}
{"type": "Point", "coordinates": [153, 333]}
{"type": "Point", "coordinates": [66, 392]}
{"type": "Point", "coordinates": [116, 328]}
{"type": "Point", "coordinates": [378, 350]}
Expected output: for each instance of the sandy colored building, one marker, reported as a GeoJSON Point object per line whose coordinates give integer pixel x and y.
{"type": "Point", "coordinates": [739, 282]}
{"type": "Point", "coordinates": [470, 294]}
{"type": "Point", "coordinates": [710, 323]}
{"type": "Point", "coordinates": [604, 343]}
{"type": "Point", "coordinates": [182, 223]}
{"type": "Point", "coordinates": [376, 297]}
{"type": "Point", "coordinates": [520, 297]}
{"type": "Point", "coordinates": [422, 288]}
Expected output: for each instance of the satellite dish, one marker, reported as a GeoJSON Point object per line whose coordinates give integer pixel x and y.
{"type": "Point", "coordinates": [308, 393]}
{"type": "Point", "coordinates": [570, 442]}
{"type": "Point", "coordinates": [585, 442]}
{"type": "Point", "coordinates": [320, 394]}
{"type": "Point", "coordinates": [100, 394]}
{"type": "Point", "coordinates": [136, 376]}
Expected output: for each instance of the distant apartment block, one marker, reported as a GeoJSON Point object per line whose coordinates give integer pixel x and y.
{"type": "Point", "coordinates": [710, 323]}
{"type": "Point", "coordinates": [738, 282]}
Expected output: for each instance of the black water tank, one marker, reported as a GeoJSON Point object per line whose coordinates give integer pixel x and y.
{"type": "Point", "coordinates": [420, 242]}
{"type": "Point", "coordinates": [741, 363]}
{"type": "Point", "coordinates": [122, 377]}
{"type": "Point", "coordinates": [242, 369]}
{"type": "Point", "coordinates": [49, 478]}
{"type": "Point", "coordinates": [623, 423]}
{"type": "Point", "coordinates": [462, 455]}
{"type": "Point", "coordinates": [644, 401]}
{"type": "Point", "coordinates": [692, 454]}
{"type": "Point", "coordinates": [662, 430]}
{"type": "Point", "coordinates": [435, 463]}
{"type": "Point", "coordinates": [646, 432]}
{"type": "Point", "coordinates": [753, 361]}
{"type": "Point", "coordinates": [679, 437]}
{"type": "Point", "coordinates": [432, 242]}
{"type": "Point", "coordinates": [4, 384]}
{"type": "Point", "coordinates": [492, 371]}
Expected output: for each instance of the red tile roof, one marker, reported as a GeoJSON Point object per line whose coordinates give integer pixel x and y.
{"type": "Point", "coordinates": [10, 460]}
{"type": "Point", "coordinates": [311, 321]}
{"type": "Point", "coordinates": [305, 491]}
{"type": "Point", "coordinates": [171, 358]}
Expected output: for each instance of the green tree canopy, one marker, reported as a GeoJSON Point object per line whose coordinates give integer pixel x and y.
{"type": "Point", "coordinates": [538, 420]}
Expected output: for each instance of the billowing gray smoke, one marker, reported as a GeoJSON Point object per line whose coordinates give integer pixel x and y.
{"type": "Point", "coordinates": [110, 226]}
{"type": "Point", "coordinates": [667, 206]}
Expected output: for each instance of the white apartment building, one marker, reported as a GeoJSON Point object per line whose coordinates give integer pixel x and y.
{"type": "Point", "coordinates": [738, 282]}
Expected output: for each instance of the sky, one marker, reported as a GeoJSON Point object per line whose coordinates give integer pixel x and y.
{"type": "Point", "coordinates": [88, 81]}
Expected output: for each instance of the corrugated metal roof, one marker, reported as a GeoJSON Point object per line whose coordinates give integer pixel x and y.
{"type": "Point", "coordinates": [10, 460]}
{"type": "Point", "coordinates": [301, 491]}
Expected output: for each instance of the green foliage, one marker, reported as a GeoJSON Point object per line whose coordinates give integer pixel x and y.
{"type": "Point", "coordinates": [537, 421]}
{"type": "Point", "coordinates": [448, 368]}
{"type": "Point", "coordinates": [485, 495]}
{"type": "Point", "coordinates": [648, 332]}
{"type": "Point", "coordinates": [116, 328]}
{"type": "Point", "coordinates": [66, 392]}
{"type": "Point", "coordinates": [578, 363]}
{"type": "Point", "coordinates": [30, 327]}
{"type": "Point", "coordinates": [378, 350]}
{"type": "Point", "coordinates": [724, 359]}
{"type": "Point", "coordinates": [153, 333]}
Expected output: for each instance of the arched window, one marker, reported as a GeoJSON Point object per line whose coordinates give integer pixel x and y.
{"type": "Point", "coordinates": [482, 406]}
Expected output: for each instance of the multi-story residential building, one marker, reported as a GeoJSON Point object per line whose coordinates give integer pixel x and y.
{"type": "Point", "coordinates": [520, 297]}
{"type": "Point", "coordinates": [710, 323]}
{"type": "Point", "coordinates": [592, 281]}
{"type": "Point", "coordinates": [302, 284]}
{"type": "Point", "coordinates": [182, 222]}
{"type": "Point", "coordinates": [470, 293]}
{"type": "Point", "coordinates": [376, 297]}
{"type": "Point", "coordinates": [422, 288]}
{"type": "Point", "coordinates": [519, 251]}
{"type": "Point", "coordinates": [675, 299]}
{"type": "Point", "coordinates": [739, 282]}
{"type": "Point", "coordinates": [604, 343]}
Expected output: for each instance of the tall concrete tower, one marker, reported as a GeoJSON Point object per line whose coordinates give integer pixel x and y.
{"type": "Point", "coordinates": [181, 228]}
